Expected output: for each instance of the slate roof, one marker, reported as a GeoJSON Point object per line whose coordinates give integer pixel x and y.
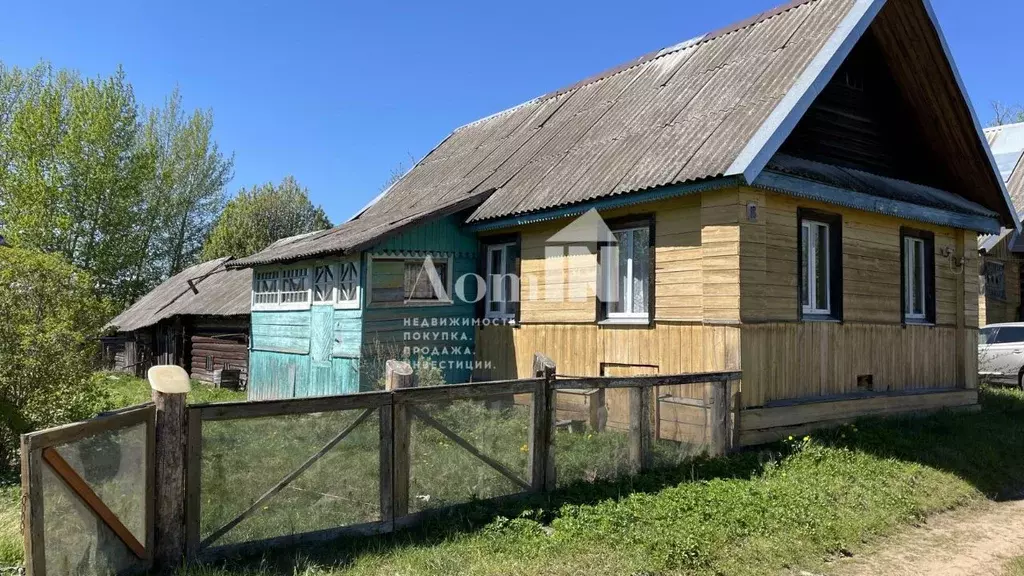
{"type": "Point", "coordinates": [716, 105]}
{"type": "Point", "coordinates": [1007, 144]}
{"type": "Point", "coordinates": [221, 292]}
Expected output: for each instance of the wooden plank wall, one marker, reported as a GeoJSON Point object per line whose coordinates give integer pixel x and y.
{"type": "Point", "coordinates": [993, 310]}
{"type": "Point", "coordinates": [225, 353]}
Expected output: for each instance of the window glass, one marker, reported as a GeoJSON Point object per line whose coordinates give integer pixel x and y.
{"type": "Point", "coordinates": [628, 273]}
{"type": "Point", "coordinates": [914, 277]}
{"type": "Point", "coordinates": [265, 288]}
{"type": "Point", "coordinates": [986, 335]}
{"type": "Point", "coordinates": [418, 285]}
{"type": "Point", "coordinates": [294, 285]}
{"type": "Point", "coordinates": [995, 285]}
{"type": "Point", "coordinates": [501, 290]}
{"type": "Point", "coordinates": [815, 289]}
{"type": "Point", "coordinates": [348, 284]}
{"type": "Point", "coordinates": [1009, 335]}
{"type": "Point", "coordinates": [323, 283]}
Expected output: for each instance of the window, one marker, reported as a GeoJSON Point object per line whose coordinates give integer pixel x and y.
{"type": "Point", "coordinates": [995, 280]}
{"type": "Point", "coordinates": [295, 286]}
{"type": "Point", "coordinates": [410, 281]}
{"type": "Point", "coordinates": [1008, 335]}
{"type": "Point", "coordinates": [265, 287]}
{"type": "Point", "coordinates": [502, 282]}
{"type": "Point", "coordinates": [918, 277]}
{"type": "Point", "coordinates": [323, 283]}
{"type": "Point", "coordinates": [819, 246]}
{"type": "Point", "coordinates": [986, 335]}
{"type": "Point", "coordinates": [626, 268]}
{"type": "Point", "coordinates": [348, 284]}
{"type": "Point", "coordinates": [814, 288]}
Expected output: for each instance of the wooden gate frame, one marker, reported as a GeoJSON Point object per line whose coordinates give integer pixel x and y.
{"type": "Point", "coordinates": [38, 449]}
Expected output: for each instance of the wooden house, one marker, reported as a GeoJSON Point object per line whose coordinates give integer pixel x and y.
{"type": "Point", "coordinates": [198, 319]}
{"type": "Point", "coordinates": [999, 276]}
{"type": "Point", "coordinates": [797, 196]}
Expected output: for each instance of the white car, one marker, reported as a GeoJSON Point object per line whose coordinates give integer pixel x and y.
{"type": "Point", "coordinates": [1001, 354]}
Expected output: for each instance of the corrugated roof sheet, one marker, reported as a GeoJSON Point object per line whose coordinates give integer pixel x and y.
{"type": "Point", "coordinates": [1007, 144]}
{"type": "Point", "coordinates": [680, 114]}
{"type": "Point", "coordinates": [221, 292]}
{"type": "Point", "coordinates": [875, 185]}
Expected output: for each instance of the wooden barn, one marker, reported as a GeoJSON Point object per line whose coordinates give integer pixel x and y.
{"type": "Point", "coordinates": [197, 319]}
{"type": "Point", "coordinates": [999, 295]}
{"type": "Point", "coordinates": [797, 196]}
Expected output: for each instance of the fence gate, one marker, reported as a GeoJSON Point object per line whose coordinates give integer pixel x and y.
{"type": "Point", "coordinates": [87, 495]}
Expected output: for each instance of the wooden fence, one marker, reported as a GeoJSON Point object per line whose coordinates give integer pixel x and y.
{"type": "Point", "coordinates": [551, 404]}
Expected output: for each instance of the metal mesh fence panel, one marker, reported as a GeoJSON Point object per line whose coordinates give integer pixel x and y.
{"type": "Point", "coordinates": [468, 450]}
{"type": "Point", "coordinates": [244, 459]}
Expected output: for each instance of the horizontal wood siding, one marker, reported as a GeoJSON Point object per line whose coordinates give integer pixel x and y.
{"type": "Point", "coordinates": [445, 235]}
{"type": "Point", "coordinates": [348, 333]}
{"type": "Point", "coordinates": [285, 331]}
{"type": "Point", "coordinates": [225, 352]}
{"type": "Point", "coordinates": [871, 264]}
{"type": "Point", "coordinates": [784, 361]}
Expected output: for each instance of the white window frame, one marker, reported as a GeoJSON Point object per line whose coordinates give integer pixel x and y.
{"type": "Point", "coordinates": [812, 267]}
{"type": "Point", "coordinates": [909, 263]}
{"type": "Point", "coordinates": [408, 303]}
{"type": "Point", "coordinates": [355, 302]}
{"type": "Point", "coordinates": [618, 280]}
{"type": "Point", "coordinates": [279, 284]}
{"type": "Point", "coordinates": [507, 311]}
{"type": "Point", "coordinates": [275, 275]}
{"type": "Point", "coordinates": [332, 285]}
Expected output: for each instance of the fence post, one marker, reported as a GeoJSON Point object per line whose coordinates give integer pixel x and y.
{"type": "Point", "coordinates": [719, 417]}
{"type": "Point", "coordinates": [170, 386]}
{"type": "Point", "coordinates": [542, 424]}
{"type": "Point", "coordinates": [399, 375]}
{"type": "Point", "coordinates": [640, 453]}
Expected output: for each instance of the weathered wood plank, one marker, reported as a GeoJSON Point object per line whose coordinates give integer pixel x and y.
{"type": "Point", "coordinates": [264, 408]}
{"type": "Point", "coordinates": [68, 433]}
{"type": "Point", "coordinates": [399, 376]}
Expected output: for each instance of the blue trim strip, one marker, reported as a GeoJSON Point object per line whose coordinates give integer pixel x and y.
{"type": "Point", "coordinates": [777, 127]}
{"type": "Point", "coordinates": [858, 200]}
{"type": "Point", "coordinates": [619, 201]}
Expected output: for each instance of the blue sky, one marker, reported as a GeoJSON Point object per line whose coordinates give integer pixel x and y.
{"type": "Point", "coordinates": [339, 94]}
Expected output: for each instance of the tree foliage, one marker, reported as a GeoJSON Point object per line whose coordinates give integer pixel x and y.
{"type": "Point", "coordinates": [85, 174]}
{"type": "Point", "coordinates": [48, 340]}
{"type": "Point", "coordinates": [255, 218]}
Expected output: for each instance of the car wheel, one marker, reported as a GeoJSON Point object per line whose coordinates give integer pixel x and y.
{"type": "Point", "coordinates": [1020, 379]}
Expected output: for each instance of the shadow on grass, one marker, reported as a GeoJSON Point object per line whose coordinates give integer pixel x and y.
{"type": "Point", "coordinates": [985, 448]}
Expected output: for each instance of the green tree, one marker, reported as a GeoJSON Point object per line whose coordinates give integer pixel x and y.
{"type": "Point", "coordinates": [255, 218]}
{"type": "Point", "coordinates": [187, 191]}
{"type": "Point", "coordinates": [48, 340]}
{"type": "Point", "coordinates": [73, 173]}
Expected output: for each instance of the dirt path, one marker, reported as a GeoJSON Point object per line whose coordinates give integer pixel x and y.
{"type": "Point", "coordinates": [978, 540]}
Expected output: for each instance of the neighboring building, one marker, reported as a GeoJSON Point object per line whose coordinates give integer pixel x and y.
{"type": "Point", "coordinates": [797, 196]}
{"type": "Point", "coordinates": [1000, 272]}
{"type": "Point", "coordinates": [197, 319]}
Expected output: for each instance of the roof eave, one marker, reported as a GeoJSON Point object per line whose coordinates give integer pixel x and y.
{"type": "Point", "coordinates": [783, 119]}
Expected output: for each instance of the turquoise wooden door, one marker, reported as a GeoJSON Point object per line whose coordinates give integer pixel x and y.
{"type": "Point", "coordinates": [321, 332]}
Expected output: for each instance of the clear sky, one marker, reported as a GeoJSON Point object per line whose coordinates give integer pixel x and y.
{"type": "Point", "coordinates": [340, 93]}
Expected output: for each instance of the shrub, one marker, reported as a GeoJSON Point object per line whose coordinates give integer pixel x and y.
{"type": "Point", "coordinates": [48, 343]}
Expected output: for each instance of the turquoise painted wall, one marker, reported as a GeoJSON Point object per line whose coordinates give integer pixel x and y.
{"type": "Point", "coordinates": [324, 351]}
{"type": "Point", "coordinates": [396, 327]}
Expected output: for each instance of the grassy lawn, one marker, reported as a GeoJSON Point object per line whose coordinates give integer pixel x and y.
{"type": "Point", "coordinates": [798, 503]}
{"type": "Point", "coordinates": [120, 391]}
{"type": "Point", "coordinates": [1014, 567]}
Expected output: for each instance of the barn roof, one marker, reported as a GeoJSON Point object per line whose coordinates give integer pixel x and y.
{"type": "Point", "coordinates": [716, 105]}
{"type": "Point", "coordinates": [218, 291]}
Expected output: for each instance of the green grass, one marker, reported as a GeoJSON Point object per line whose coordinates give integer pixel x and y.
{"type": "Point", "coordinates": [756, 512]}
{"type": "Point", "coordinates": [119, 390]}
{"type": "Point", "coordinates": [1014, 567]}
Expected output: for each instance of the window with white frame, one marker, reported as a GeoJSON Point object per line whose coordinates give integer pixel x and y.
{"type": "Point", "coordinates": [815, 262]}
{"type": "Point", "coordinates": [412, 281]}
{"type": "Point", "coordinates": [914, 285]}
{"type": "Point", "coordinates": [627, 274]}
{"type": "Point", "coordinates": [323, 284]}
{"type": "Point", "coordinates": [295, 286]}
{"type": "Point", "coordinates": [264, 290]}
{"type": "Point", "coordinates": [502, 285]}
{"type": "Point", "coordinates": [348, 284]}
